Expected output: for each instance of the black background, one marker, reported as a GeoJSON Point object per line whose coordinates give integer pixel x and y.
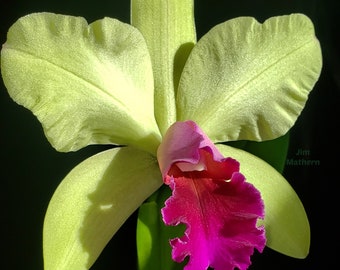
{"type": "Point", "coordinates": [31, 169]}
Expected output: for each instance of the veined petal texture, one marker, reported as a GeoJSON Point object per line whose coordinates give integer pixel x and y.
{"type": "Point", "coordinates": [169, 30]}
{"type": "Point", "coordinates": [87, 84]}
{"type": "Point", "coordinates": [249, 81]}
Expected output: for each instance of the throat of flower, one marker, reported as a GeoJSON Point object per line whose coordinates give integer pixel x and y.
{"type": "Point", "coordinates": [189, 167]}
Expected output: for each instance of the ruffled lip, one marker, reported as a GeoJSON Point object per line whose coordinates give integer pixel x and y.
{"type": "Point", "coordinates": [212, 198]}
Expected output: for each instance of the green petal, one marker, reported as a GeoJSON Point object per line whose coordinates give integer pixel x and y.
{"type": "Point", "coordinates": [169, 30]}
{"type": "Point", "coordinates": [286, 222]}
{"type": "Point", "coordinates": [87, 84]}
{"type": "Point", "coordinates": [249, 81]}
{"type": "Point", "coordinates": [92, 202]}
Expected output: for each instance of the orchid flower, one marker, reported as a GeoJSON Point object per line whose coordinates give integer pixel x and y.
{"type": "Point", "coordinates": [167, 103]}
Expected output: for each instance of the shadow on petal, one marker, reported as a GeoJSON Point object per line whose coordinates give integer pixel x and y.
{"type": "Point", "coordinates": [131, 177]}
{"type": "Point", "coordinates": [91, 204]}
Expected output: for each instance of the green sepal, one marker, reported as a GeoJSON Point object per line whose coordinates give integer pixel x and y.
{"type": "Point", "coordinates": [91, 204]}
{"type": "Point", "coordinates": [169, 30]}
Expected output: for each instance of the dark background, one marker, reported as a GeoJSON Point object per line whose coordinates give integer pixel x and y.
{"type": "Point", "coordinates": [31, 169]}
